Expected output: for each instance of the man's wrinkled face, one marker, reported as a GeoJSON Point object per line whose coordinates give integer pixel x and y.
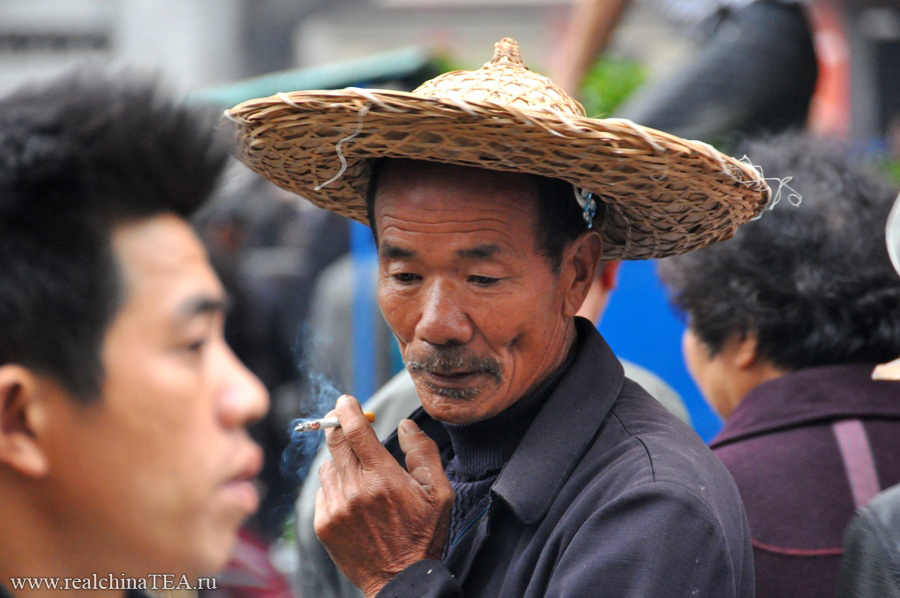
{"type": "Point", "coordinates": [477, 310]}
{"type": "Point", "coordinates": [158, 473]}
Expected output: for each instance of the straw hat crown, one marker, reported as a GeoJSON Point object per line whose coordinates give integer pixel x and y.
{"type": "Point", "coordinates": [504, 80]}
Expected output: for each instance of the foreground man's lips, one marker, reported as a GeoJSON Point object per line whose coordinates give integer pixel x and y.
{"type": "Point", "coordinates": [241, 487]}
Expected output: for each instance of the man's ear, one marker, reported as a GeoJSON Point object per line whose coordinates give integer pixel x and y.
{"type": "Point", "coordinates": [580, 262]}
{"type": "Point", "coordinates": [21, 415]}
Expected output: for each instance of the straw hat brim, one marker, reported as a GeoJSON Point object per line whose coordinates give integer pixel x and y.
{"type": "Point", "coordinates": [658, 194]}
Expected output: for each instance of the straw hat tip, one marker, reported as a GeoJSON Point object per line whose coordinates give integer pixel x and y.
{"type": "Point", "coordinates": [506, 51]}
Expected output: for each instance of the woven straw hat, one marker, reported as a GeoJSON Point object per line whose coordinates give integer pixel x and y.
{"type": "Point", "coordinates": [656, 194]}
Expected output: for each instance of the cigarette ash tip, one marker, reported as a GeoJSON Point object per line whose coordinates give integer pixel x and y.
{"type": "Point", "coordinates": [307, 426]}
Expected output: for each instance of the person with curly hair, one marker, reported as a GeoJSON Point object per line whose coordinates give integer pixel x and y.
{"type": "Point", "coordinates": [786, 322]}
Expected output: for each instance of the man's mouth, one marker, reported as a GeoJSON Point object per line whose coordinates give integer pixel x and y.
{"type": "Point", "coordinates": [458, 386]}
{"type": "Point", "coordinates": [452, 373]}
{"type": "Point", "coordinates": [241, 487]}
{"type": "Point", "coordinates": [453, 378]}
{"type": "Point", "coordinates": [452, 364]}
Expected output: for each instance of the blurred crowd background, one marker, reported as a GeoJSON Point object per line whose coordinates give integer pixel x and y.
{"type": "Point", "coordinates": [301, 278]}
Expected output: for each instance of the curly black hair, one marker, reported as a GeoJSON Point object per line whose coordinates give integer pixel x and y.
{"type": "Point", "coordinates": [812, 282]}
{"type": "Point", "coordinates": [79, 154]}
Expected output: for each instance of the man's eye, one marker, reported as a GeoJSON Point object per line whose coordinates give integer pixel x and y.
{"type": "Point", "coordinates": [195, 346]}
{"type": "Point", "coordinates": [406, 277]}
{"type": "Point", "coordinates": [483, 281]}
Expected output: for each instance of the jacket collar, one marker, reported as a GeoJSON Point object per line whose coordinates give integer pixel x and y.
{"type": "Point", "coordinates": [563, 429]}
{"type": "Point", "coordinates": [810, 395]}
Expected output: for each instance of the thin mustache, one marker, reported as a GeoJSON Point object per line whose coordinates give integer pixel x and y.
{"type": "Point", "coordinates": [448, 361]}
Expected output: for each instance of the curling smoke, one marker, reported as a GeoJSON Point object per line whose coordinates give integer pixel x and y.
{"type": "Point", "coordinates": [302, 448]}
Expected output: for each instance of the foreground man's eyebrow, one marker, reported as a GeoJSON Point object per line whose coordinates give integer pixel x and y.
{"type": "Point", "coordinates": [202, 305]}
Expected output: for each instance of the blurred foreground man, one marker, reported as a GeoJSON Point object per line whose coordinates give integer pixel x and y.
{"type": "Point", "coordinates": [124, 460]}
{"type": "Point", "coordinates": [534, 468]}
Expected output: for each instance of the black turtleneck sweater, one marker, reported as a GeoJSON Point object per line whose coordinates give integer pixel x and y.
{"type": "Point", "coordinates": [481, 449]}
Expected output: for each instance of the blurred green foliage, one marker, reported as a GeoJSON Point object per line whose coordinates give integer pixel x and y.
{"type": "Point", "coordinates": [609, 82]}
{"type": "Point", "coordinates": [892, 169]}
{"type": "Point", "coordinates": [444, 62]}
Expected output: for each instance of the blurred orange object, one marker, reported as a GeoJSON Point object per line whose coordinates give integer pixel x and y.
{"type": "Point", "coordinates": [829, 112]}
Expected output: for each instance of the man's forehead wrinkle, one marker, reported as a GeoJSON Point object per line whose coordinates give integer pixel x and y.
{"type": "Point", "coordinates": [429, 220]}
{"type": "Point", "coordinates": [401, 242]}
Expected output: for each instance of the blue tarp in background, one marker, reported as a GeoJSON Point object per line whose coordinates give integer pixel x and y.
{"type": "Point", "coordinates": [640, 326]}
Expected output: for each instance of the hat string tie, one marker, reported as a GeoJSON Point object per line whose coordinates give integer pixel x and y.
{"type": "Point", "coordinates": [340, 154]}
{"type": "Point", "coordinates": [586, 199]}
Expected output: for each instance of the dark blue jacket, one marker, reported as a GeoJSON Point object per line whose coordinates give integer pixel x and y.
{"type": "Point", "coordinates": [608, 494]}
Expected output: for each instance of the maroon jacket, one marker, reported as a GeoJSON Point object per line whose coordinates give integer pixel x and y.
{"type": "Point", "coordinates": [793, 446]}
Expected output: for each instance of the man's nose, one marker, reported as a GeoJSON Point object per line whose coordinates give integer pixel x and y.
{"type": "Point", "coordinates": [243, 398]}
{"type": "Point", "coordinates": [444, 319]}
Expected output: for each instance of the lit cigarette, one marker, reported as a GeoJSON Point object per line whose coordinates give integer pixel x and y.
{"type": "Point", "coordinates": [326, 422]}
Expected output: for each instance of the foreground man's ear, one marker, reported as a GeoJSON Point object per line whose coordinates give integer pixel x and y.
{"type": "Point", "coordinates": [21, 415]}
{"type": "Point", "coordinates": [580, 262]}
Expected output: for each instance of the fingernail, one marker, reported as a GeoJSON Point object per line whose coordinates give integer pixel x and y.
{"type": "Point", "coordinates": [346, 399]}
{"type": "Point", "coordinates": [409, 426]}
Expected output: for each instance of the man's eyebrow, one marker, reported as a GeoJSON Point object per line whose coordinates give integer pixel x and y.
{"type": "Point", "coordinates": [202, 305]}
{"type": "Point", "coordinates": [393, 252]}
{"type": "Point", "coordinates": [479, 252]}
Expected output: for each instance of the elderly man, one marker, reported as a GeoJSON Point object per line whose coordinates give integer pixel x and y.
{"type": "Point", "coordinates": [534, 468]}
{"type": "Point", "coordinates": [124, 460]}
{"type": "Point", "coordinates": [317, 574]}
